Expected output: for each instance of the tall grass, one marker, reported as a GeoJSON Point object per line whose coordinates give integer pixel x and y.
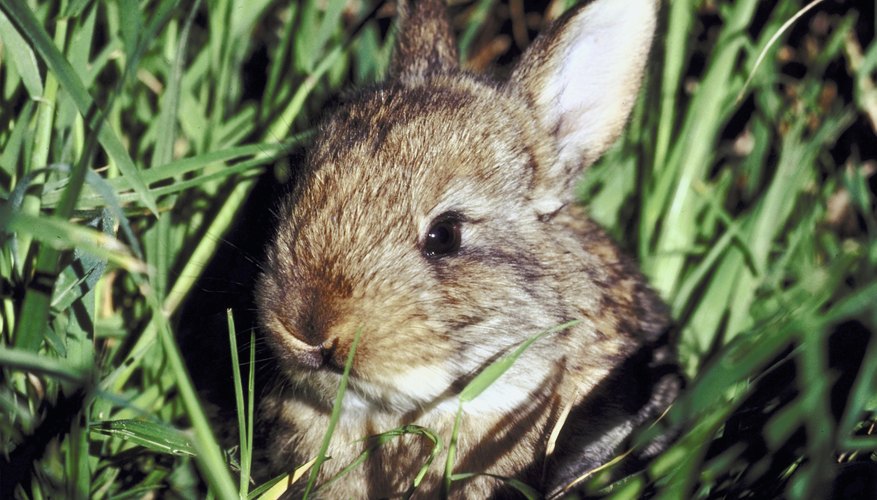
{"type": "Point", "coordinates": [132, 134]}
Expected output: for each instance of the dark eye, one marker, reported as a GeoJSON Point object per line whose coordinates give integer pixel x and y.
{"type": "Point", "coordinates": [443, 236]}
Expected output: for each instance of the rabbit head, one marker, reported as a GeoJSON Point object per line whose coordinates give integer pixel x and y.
{"type": "Point", "coordinates": [434, 216]}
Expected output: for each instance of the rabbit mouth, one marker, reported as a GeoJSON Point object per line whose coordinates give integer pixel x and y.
{"type": "Point", "coordinates": [300, 353]}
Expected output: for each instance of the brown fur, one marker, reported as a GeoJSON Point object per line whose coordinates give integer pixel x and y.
{"type": "Point", "coordinates": [348, 257]}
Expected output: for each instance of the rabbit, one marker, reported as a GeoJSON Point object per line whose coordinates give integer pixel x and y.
{"type": "Point", "coordinates": [435, 215]}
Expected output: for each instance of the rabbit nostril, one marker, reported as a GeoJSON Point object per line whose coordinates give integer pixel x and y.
{"type": "Point", "coordinates": [328, 351]}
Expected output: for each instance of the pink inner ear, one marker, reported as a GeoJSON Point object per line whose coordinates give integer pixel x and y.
{"type": "Point", "coordinates": [597, 67]}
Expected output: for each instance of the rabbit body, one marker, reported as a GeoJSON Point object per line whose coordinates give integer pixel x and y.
{"type": "Point", "coordinates": [437, 150]}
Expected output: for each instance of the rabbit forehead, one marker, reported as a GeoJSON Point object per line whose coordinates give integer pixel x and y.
{"type": "Point", "coordinates": [420, 138]}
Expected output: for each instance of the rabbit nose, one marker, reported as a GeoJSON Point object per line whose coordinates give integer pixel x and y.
{"type": "Point", "coordinates": [316, 319]}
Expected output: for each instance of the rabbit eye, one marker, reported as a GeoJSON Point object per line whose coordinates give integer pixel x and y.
{"type": "Point", "coordinates": [443, 236]}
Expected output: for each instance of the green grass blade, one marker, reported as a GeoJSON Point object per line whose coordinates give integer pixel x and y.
{"type": "Point", "coordinates": [247, 457]}
{"type": "Point", "coordinates": [679, 25]}
{"type": "Point", "coordinates": [492, 372]}
{"type": "Point", "coordinates": [18, 359]}
{"type": "Point", "coordinates": [265, 490]}
{"type": "Point", "coordinates": [268, 153]}
{"type": "Point", "coordinates": [62, 235]}
{"type": "Point", "coordinates": [450, 460]}
{"type": "Point", "coordinates": [239, 402]}
{"type": "Point", "coordinates": [14, 145]}
{"type": "Point", "coordinates": [279, 61]}
{"type": "Point", "coordinates": [22, 54]}
{"type": "Point", "coordinates": [152, 435]}
{"type": "Point", "coordinates": [167, 117]}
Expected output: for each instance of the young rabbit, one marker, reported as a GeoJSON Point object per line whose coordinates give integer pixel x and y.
{"type": "Point", "coordinates": [435, 214]}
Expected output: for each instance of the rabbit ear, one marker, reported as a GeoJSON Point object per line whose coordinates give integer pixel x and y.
{"type": "Point", "coordinates": [582, 77]}
{"type": "Point", "coordinates": [425, 44]}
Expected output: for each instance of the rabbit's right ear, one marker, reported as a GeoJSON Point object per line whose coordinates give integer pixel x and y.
{"type": "Point", "coordinates": [425, 43]}
{"type": "Point", "coordinates": [582, 77]}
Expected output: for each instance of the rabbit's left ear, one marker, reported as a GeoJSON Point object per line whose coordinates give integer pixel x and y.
{"type": "Point", "coordinates": [425, 43]}
{"type": "Point", "coordinates": [582, 77]}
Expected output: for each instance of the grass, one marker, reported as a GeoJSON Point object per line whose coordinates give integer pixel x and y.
{"type": "Point", "coordinates": [133, 133]}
